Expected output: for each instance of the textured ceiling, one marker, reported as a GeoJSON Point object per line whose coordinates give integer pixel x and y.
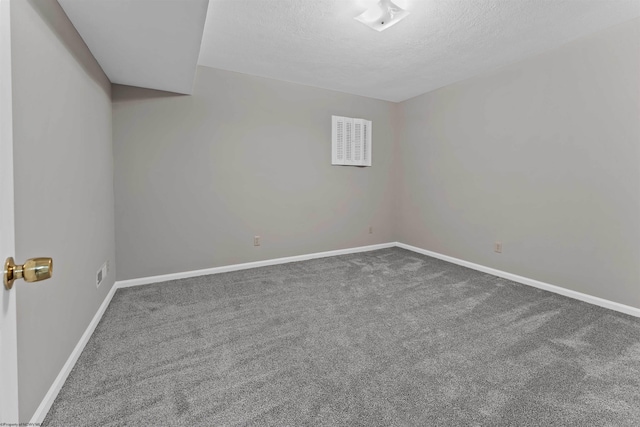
{"type": "Point", "coordinates": [147, 43]}
{"type": "Point", "coordinates": [318, 43]}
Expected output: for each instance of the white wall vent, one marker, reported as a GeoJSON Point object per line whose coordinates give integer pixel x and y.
{"type": "Point", "coordinates": [350, 141]}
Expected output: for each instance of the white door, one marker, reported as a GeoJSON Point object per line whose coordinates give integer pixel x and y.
{"type": "Point", "coordinates": [8, 348]}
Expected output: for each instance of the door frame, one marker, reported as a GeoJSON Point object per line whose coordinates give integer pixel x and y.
{"type": "Point", "coordinates": [8, 330]}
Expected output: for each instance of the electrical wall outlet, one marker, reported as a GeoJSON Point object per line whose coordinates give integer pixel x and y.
{"type": "Point", "coordinates": [497, 247]}
{"type": "Point", "coordinates": [370, 230]}
{"type": "Point", "coordinates": [256, 240]}
{"type": "Point", "coordinates": [102, 273]}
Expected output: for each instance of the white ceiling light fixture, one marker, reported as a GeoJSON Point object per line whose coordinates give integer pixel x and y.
{"type": "Point", "coordinates": [383, 15]}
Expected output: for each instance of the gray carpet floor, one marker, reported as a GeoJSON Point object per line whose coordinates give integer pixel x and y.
{"type": "Point", "coordinates": [387, 337]}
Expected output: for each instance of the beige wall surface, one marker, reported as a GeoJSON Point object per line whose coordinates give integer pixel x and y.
{"type": "Point", "coordinates": [542, 155]}
{"type": "Point", "coordinates": [63, 189]}
{"type": "Point", "coordinates": [196, 177]}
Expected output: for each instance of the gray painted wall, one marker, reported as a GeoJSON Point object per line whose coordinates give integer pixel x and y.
{"type": "Point", "coordinates": [543, 155]}
{"type": "Point", "coordinates": [196, 177]}
{"type": "Point", "coordinates": [63, 189]}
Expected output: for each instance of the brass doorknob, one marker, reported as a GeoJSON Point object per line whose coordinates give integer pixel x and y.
{"type": "Point", "coordinates": [34, 270]}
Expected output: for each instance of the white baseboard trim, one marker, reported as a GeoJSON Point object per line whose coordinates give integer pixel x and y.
{"type": "Point", "coordinates": [632, 311]}
{"type": "Point", "coordinates": [45, 405]}
{"type": "Point", "coordinates": [248, 265]}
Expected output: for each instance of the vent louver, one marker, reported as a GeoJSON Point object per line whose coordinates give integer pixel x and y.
{"type": "Point", "coordinates": [351, 141]}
